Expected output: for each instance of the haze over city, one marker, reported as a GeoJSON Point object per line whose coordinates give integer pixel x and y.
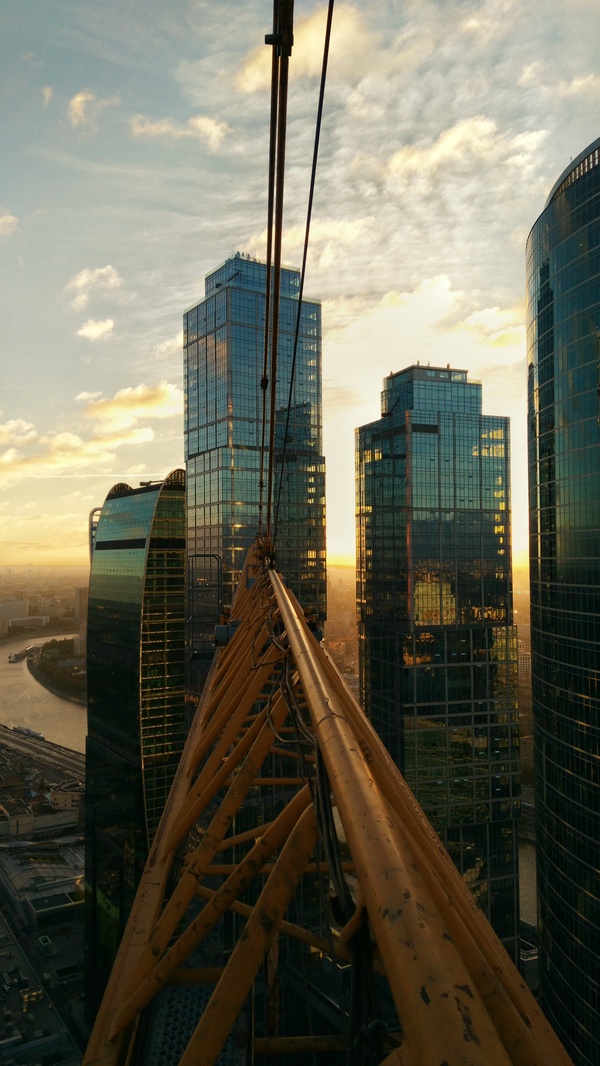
{"type": "Point", "coordinates": [135, 155]}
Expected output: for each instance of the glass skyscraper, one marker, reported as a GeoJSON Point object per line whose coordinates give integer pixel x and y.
{"type": "Point", "coordinates": [437, 649]}
{"type": "Point", "coordinates": [223, 353]}
{"type": "Point", "coordinates": [136, 701]}
{"type": "Point", "coordinates": [563, 321]}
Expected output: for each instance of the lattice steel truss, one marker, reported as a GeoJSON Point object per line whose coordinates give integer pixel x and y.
{"type": "Point", "coordinates": [278, 729]}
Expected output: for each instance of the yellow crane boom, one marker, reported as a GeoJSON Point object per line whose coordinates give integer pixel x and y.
{"type": "Point", "coordinates": [458, 997]}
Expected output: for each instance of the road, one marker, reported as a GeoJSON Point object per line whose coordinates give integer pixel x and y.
{"type": "Point", "coordinates": [45, 752]}
{"type": "Point", "coordinates": [23, 701]}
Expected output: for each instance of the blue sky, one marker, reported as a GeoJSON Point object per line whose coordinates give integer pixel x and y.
{"type": "Point", "coordinates": [134, 161]}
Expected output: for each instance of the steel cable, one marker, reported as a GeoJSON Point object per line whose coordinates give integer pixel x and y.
{"type": "Point", "coordinates": [311, 194]}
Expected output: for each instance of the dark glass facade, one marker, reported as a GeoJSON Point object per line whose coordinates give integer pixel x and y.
{"type": "Point", "coordinates": [563, 321]}
{"type": "Point", "coordinates": [224, 353]}
{"type": "Point", "coordinates": [437, 649]}
{"type": "Point", "coordinates": [136, 701]}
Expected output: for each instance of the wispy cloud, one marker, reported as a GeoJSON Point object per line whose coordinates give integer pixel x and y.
{"type": "Point", "coordinates": [89, 280]}
{"type": "Point", "coordinates": [47, 94]}
{"type": "Point", "coordinates": [489, 21]}
{"type": "Point", "coordinates": [131, 405]}
{"type": "Point", "coordinates": [588, 84]}
{"type": "Point", "coordinates": [118, 422]}
{"type": "Point", "coordinates": [69, 451]}
{"type": "Point", "coordinates": [85, 109]}
{"type": "Point", "coordinates": [96, 331]}
{"type": "Point", "coordinates": [328, 239]}
{"type": "Point", "coordinates": [337, 397]}
{"type": "Point", "coordinates": [432, 323]}
{"type": "Point", "coordinates": [351, 50]}
{"type": "Point", "coordinates": [540, 76]}
{"type": "Point", "coordinates": [169, 349]}
{"type": "Point", "coordinates": [201, 127]}
{"type": "Point", "coordinates": [476, 138]}
{"type": "Point", "coordinates": [441, 323]}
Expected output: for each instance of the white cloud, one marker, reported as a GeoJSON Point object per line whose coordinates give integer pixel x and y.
{"type": "Point", "coordinates": [202, 127]}
{"type": "Point", "coordinates": [588, 84]}
{"type": "Point", "coordinates": [8, 224]}
{"type": "Point", "coordinates": [496, 327]}
{"type": "Point", "coordinates": [17, 430]}
{"type": "Point", "coordinates": [352, 43]}
{"type": "Point", "coordinates": [473, 138]}
{"type": "Point", "coordinates": [489, 21]}
{"type": "Point", "coordinates": [540, 76]}
{"type": "Point", "coordinates": [170, 348]}
{"type": "Point", "coordinates": [67, 451]}
{"type": "Point", "coordinates": [328, 237]}
{"type": "Point", "coordinates": [89, 280]}
{"type": "Point", "coordinates": [85, 108]}
{"type": "Point", "coordinates": [531, 74]}
{"type": "Point", "coordinates": [47, 94]}
{"type": "Point", "coordinates": [129, 405]}
{"type": "Point", "coordinates": [93, 331]}
{"type": "Point", "coordinates": [437, 323]}
{"type": "Point", "coordinates": [119, 422]}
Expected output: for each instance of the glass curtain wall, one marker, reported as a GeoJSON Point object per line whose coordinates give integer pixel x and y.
{"type": "Point", "coordinates": [224, 354]}
{"type": "Point", "coordinates": [563, 324]}
{"type": "Point", "coordinates": [437, 649]}
{"type": "Point", "coordinates": [136, 701]}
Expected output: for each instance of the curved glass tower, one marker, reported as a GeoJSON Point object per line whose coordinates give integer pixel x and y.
{"type": "Point", "coordinates": [563, 278]}
{"type": "Point", "coordinates": [136, 700]}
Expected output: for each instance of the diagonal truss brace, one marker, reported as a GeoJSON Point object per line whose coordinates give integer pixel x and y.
{"type": "Point", "coordinates": [457, 995]}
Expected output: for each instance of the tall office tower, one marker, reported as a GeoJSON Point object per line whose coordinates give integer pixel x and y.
{"type": "Point", "coordinates": [136, 693]}
{"type": "Point", "coordinates": [563, 277]}
{"type": "Point", "coordinates": [437, 649]}
{"type": "Point", "coordinates": [223, 345]}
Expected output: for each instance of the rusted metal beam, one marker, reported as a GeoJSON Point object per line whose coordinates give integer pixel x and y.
{"type": "Point", "coordinates": [423, 966]}
{"type": "Point", "coordinates": [247, 956]}
{"type": "Point", "coordinates": [449, 976]}
{"type": "Point", "coordinates": [186, 887]}
{"type": "Point", "coordinates": [219, 902]}
{"type": "Point", "coordinates": [296, 932]}
{"type": "Point", "coordinates": [526, 1032]}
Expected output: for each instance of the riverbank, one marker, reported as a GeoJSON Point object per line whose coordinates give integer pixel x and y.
{"type": "Point", "coordinates": [41, 679]}
{"type": "Point", "coordinates": [38, 636]}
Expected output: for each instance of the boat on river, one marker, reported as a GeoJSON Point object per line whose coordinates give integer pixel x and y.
{"type": "Point", "coordinates": [26, 732]}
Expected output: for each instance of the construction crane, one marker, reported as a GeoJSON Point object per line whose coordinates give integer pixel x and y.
{"type": "Point", "coordinates": [277, 730]}
{"type": "Point", "coordinates": [296, 903]}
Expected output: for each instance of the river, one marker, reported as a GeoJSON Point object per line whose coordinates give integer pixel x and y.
{"type": "Point", "coordinates": [23, 701]}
